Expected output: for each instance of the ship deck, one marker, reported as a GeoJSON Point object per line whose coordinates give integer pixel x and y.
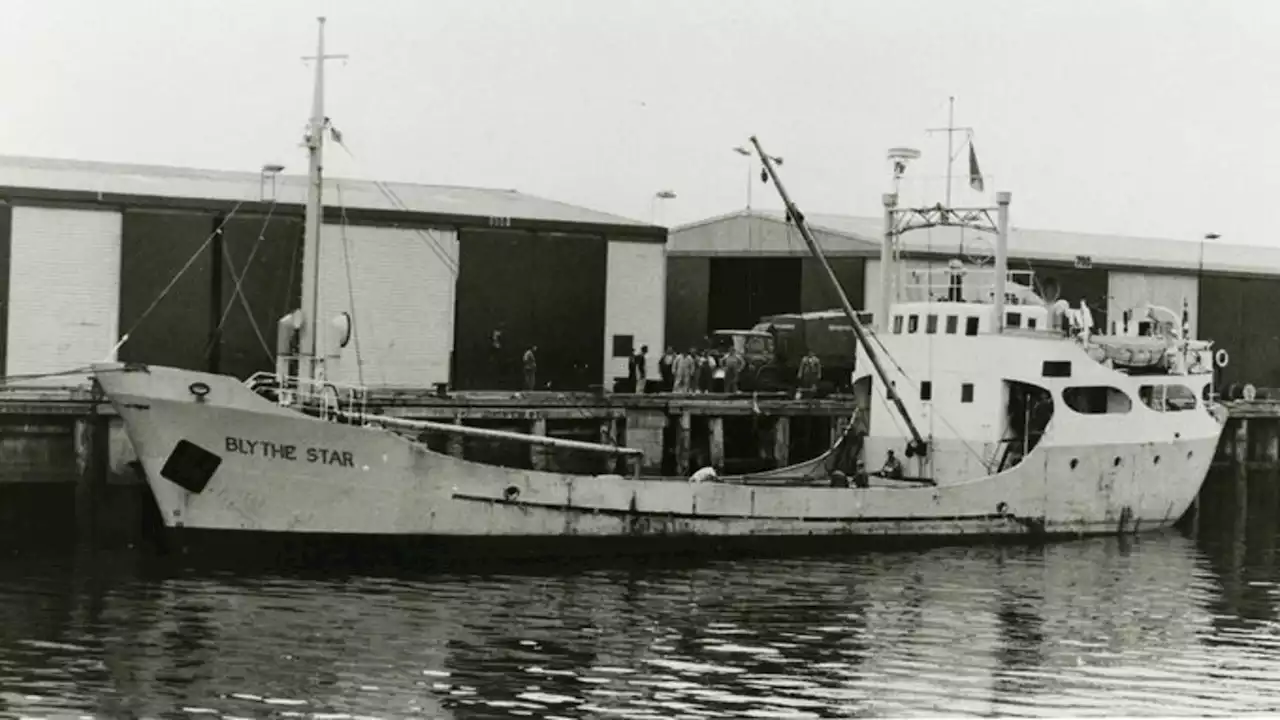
{"type": "Point", "coordinates": [70, 471]}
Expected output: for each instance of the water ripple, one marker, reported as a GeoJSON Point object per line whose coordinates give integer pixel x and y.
{"type": "Point", "coordinates": [1103, 627]}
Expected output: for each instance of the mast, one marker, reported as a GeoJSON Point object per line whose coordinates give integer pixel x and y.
{"type": "Point", "coordinates": [1002, 258]}
{"type": "Point", "coordinates": [951, 122]}
{"type": "Point", "coordinates": [917, 440]}
{"type": "Point", "coordinates": [887, 275]}
{"type": "Point", "coordinates": [950, 130]}
{"type": "Point", "coordinates": [314, 214]}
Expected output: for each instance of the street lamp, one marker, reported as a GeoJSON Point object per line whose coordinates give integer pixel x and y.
{"type": "Point", "coordinates": [1207, 236]}
{"type": "Point", "coordinates": [747, 154]}
{"type": "Point", "coordinates": [653, 203]}
{"type": "Point", "coordinates": [270, 170]}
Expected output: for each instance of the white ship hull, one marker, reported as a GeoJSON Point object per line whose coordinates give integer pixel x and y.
{"type": "Point", "coordinates": [283, 474]}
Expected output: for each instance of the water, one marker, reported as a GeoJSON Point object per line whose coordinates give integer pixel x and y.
{"type": "Point", "coordinates": [1157, 625]}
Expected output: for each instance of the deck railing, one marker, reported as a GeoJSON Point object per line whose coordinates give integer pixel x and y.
{"type": "Point", "coordinates": [975, 285]}
{"type": "Point", "coordinates": [331, 400]}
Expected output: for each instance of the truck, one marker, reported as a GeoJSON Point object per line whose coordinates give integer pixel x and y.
{"type": "Point", "coordinates": [774, 347]}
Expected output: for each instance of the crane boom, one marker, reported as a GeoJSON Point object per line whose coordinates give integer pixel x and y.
{"type": "Point", "coordinates": [918, 445]}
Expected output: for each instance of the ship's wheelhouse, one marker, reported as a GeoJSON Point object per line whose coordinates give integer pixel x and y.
{"type": "Point", "coordinates": [986, 393]}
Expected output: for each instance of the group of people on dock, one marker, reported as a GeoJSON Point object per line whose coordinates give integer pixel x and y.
{"type": "Point", "coordinates": [691, 372]}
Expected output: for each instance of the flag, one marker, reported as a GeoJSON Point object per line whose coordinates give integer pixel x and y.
{"type": "Point", "coordinates": [975, 175]}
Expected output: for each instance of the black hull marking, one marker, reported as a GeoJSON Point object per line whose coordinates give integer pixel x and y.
{"type": "Point", "coordinates": [328, 551]}
{"type": "Point", "coordinates": [632, 512]}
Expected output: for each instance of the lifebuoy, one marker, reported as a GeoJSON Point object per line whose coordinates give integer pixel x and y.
{"type": "Point", "coordinates": [1221, 357]}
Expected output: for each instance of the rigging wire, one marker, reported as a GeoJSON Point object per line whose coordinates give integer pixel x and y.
{"type": "Point", "coordinates": [446, 259]}
{"type": "Point", "coordinates": [351, 295]}
{"type": "Point", "coordinates": [294, 266]}
{"type": "Point", "coordinates": [186, 266]}
{"type": "Point", "coordinates": [431, 241]}
{"type": "Point", "coordinates": [238, 293]}
{"type": "Point", "coordinates": [10, 380]}
{"type": "Point", "coordinates": [390, 195]}
{"type": "Point", "coordinates": [940, 417]}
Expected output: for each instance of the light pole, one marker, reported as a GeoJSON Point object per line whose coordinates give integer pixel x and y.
{"type": "Point", "coordinates": [747, 154]}
{"type": "Point", "coordinates": [653, 203]}
{"type": "Point", "coordinates": [269, 172]}
{"type": "Point", "coordinates": [1207, 236]}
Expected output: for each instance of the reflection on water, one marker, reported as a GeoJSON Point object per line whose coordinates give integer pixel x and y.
{"type": "Point", "coordinates": [1159, 624]}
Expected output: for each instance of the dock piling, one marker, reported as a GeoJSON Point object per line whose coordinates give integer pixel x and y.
{"type": "Point", "coordinates": [782, 440]}
{"type": "Point", "coordinates": [1241, 453]}
{"type": "Point", "coordinates": [715, 428]}
{"type": "Point", "coordinates": [90, 440]}
{"type": "Point", "coordinates": [611, 434]}
{"type": "Point", "coordinates": [455, 444]}
{"type": "Point", "coordinates": [683, 446]}
{"type": "Point", "coordinates": [537, 453]}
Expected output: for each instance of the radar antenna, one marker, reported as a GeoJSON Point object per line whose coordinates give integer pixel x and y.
{"type": "Point", "coordinates": [900, 156]}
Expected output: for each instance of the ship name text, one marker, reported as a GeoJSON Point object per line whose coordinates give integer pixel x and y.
{"type": "Point", "coordinates": [280, 451]}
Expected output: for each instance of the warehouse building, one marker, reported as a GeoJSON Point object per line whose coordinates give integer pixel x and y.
{"type": "Point", "coordinates": [196, 267]}
{"type": "Point", "coordinates": [728, 271]}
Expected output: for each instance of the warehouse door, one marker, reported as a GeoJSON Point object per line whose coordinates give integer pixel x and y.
{"type": "Point", "coordinates": [743, 290]}
{"type": "Point", "coordinates": [168, 321]}
{"type": "Point", "coordinates": [519, 288]}
{"type": "Point", "coordinates": [398, 285]}
{"type": "Point", "coordinates": [265, 253]}
{"type": "Point", "coordinates": [64, 291]}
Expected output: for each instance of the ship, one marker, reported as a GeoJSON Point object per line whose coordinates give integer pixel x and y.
{"type": "Point", "coordinates": [987, 409]}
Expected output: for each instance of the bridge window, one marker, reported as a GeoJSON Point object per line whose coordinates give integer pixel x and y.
{"type": "Point", "coordinates": [1055, 368]}
{"type": "Point", "coordinates": [931, 324]}
{"type": "Point", "coordinates": [913, 324]}
{"type": "Point", "coordinates": [1167, 398]}
{"type": "Point", "coordinates": [897, 324]}
{"type": "Point", "coordinates": [971, 326]}
{"type": "Point", "coordinates": [1013, 319]}
{"type": "Point", "coordinates": [1097, 400]}
{"type": "Point", "coordinates": [966, 393]}
{"type": "Point", "coordinates": [1031, 323]}
{"type": "Point", "coordinates": [926, 390]}
{"type": "Point", "coordinates": [953, 323]}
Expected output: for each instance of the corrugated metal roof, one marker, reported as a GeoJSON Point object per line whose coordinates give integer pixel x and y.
{"type": "Point", "coordinates": [221, 185]}
{"type": "Point", "coordinates": [757, 234]}
{"type": "Point", "coordinates": [1031, 244]}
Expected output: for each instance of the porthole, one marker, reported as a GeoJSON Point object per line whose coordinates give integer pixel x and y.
{"type": "Point", "coordinates": [1189, 454]}
{"type": "Point", "coordinates": [1157, 460]}
{"type": "Point", "coordinates": [1074, 463]}
{"type": "Point", "coordinates": [1116, 462]}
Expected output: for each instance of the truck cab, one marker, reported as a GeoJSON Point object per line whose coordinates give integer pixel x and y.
{"type": "Point", "coordinates": [758, 349]}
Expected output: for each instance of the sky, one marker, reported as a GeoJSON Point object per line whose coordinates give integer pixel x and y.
{"type": "Point", "coordinates": [1133, 117]}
